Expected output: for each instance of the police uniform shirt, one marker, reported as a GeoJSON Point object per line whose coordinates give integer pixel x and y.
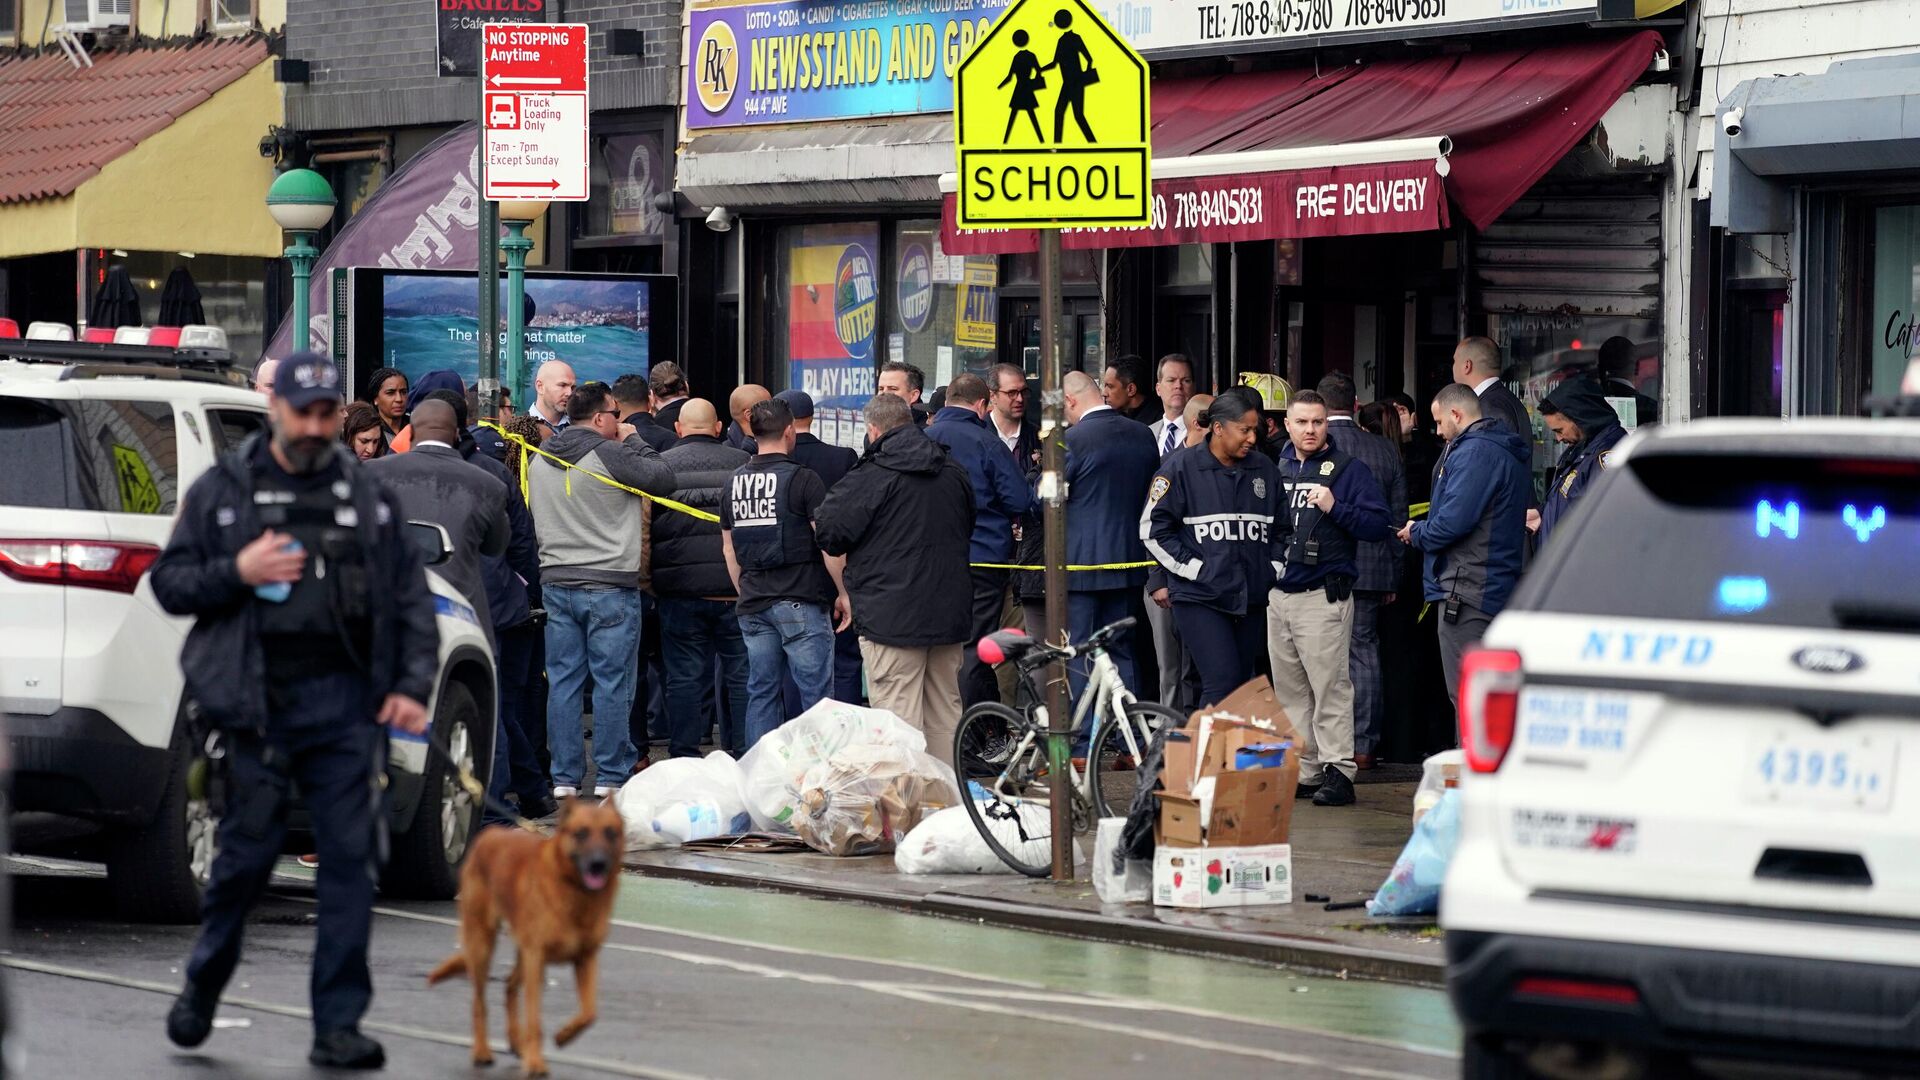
{"type": "Point", "coordinates": [769, 507]}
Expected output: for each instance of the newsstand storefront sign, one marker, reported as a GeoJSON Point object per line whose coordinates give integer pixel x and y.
{"type": "Point", "coordinates": [1345, 200]}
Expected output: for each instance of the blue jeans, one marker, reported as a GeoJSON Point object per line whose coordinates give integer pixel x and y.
{"type": "Point", "coordinates": [694, 635]}
{"type": "Point", "coordinates": [786, 636]}
{"type": "Point", "coordinates": [597, 630]}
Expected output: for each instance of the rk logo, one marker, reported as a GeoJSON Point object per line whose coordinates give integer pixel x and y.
{"type": "Point", "coordinates": [719, 66]}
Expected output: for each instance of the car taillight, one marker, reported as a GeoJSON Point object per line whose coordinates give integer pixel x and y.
{"type": "Point", "coordinates": [85, 564]}
{"type": "Point", "coordinates": [1591, 991]}
{"type": "Point", "coordinates": [1489, 702]}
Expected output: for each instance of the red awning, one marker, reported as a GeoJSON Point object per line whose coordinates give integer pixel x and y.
{"type": "Point", "coordinates": [1510, 115]}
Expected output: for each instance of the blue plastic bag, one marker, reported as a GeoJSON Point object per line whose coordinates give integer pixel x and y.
{"type": "Point", "coordinates": [1413, 888]}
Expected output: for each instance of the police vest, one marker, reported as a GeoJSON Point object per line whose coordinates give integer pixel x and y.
{"type": "Point", "coordinates": [767, 531]}
{"type": "Point", "coordinates": [1315, 539]}
{"type": "Point", "coordinates": [331, 605]}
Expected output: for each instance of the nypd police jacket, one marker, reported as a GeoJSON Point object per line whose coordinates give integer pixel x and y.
{"type": "Point", "coordinates": [1217, 529]}
{"type": "Point", "coordinates": [223, 660]}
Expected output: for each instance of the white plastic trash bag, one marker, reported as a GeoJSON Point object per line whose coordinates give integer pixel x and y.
{"type": "Point", "coordinates": [947, 842]}
{"type": "Point", "coordinates": [683, 799]}
{"type": "Point", "coordinates": [1439, 773]}
{"type": "Point", "coordinates": [774, 771]}
{"type": "Point", "coordinates": [1132, 882]}
{"type": "Point", "coordinates": [866, 798]}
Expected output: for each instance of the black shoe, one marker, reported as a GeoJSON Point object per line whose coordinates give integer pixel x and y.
{"type": "Point", "coordinates": [346, 1049]}
{"type": "Point", "coordinates": [191, 1018]}
{"type": "Point", "coordinates": [1305, 791]}
{"type": "Point", "coordinates": [537, 808]}
{"type": "Point", "coordinates": [1335, 790]}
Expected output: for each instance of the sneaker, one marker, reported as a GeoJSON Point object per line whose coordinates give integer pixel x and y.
{"type": "Point", "coordinates": [191, 1018]}
{"type": "Point", "coordinates": [605, 792]}
{"type": "Point", "coordinates": [563, 792]}
{"type": "Point", "coordinates": [346, 1049]}
{"type": "Point", "coordinates": [1335, 790]}
{"type": "Point", "coordinates": [998, 750]}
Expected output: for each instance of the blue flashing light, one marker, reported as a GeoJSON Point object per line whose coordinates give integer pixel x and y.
{"type": "Point", "coordinates": [1864, 527]}
{"type": "Point", "coordinates": [1743, 595]}
{"type": "Point", "coordinates": [1786, 519]}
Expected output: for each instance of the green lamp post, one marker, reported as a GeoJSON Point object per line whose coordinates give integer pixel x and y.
{"type": "Point", "coordinates": [516, 215]}
{"type": "Point", "coordinates": [302, 204]}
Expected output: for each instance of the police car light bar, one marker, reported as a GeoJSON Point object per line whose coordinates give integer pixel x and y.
{"type": "Point", "coordinates": [201, 336]}
{"type": "Point", "coordinates": [49, 331]}
{"type": "Point", "coordinates": [130, 335]}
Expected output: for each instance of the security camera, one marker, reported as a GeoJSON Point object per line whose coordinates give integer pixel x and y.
{"type": "Point", "coordinates": [719, 219]}
{"type": "Point", "coordinates": [1661, 61]}
{"type": "Point", "coordinates": [1730, 122]}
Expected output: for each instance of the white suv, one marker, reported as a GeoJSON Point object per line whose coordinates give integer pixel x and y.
{"type": "Point", "coordinates": [98, 443]}
{"type": "Point", "coordinates": [1689, 839]}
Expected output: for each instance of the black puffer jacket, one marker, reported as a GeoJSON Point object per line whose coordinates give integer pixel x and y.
{"type": "Point", "coordinates": [222, 660]}
{"type": "Point", "coordinates": [903, 518]}
{"type": "Point", "coordinates": [686, 557]}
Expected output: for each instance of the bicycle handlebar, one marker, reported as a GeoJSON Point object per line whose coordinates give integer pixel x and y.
{"type": "Point", "coordinates": [999, 647]}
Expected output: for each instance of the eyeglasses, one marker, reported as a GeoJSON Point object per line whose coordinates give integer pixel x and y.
{"type": "Point", "coordinates": [1022, 392]}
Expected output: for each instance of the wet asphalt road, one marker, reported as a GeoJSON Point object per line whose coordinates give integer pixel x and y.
{"type": "Point", "coordinates": [708, 982]}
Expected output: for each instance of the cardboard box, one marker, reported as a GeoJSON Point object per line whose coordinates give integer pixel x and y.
{"type": "Point", "coordinates": [1248, 808]}
{"type": "Point", "coordinates": [1223, 877]}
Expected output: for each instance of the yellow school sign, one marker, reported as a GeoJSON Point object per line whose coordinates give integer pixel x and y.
{"type": "Point", "coordinates": [1051, 123]}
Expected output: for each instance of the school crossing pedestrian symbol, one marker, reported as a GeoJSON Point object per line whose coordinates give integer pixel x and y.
{"type": "Point", "coordinates": [1051, 123]}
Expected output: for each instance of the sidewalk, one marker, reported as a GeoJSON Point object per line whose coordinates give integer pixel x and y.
{"type": "Point", "coordinates": [1341, 853]}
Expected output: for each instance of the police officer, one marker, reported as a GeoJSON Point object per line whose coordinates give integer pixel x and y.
{"type": "Point", "coordinates": [313, 624]}
{"type": "Point", "coordinates": [1332, 503]}
{"type": "Point", "coordinates": [1211, 522]}
{"type": "Point", "coordinates": [792, 598]}
{"type": "Point", "coordinates": [1577, 414]}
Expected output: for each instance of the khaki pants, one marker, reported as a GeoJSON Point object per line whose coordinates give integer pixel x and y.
{"type": "Point", "coordinates": [1307, 640]}
{"type": "Point", "coordinates": [920, 686]}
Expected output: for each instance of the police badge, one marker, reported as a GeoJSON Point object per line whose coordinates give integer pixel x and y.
{"type": "Point", "coordinates": [1326, 468]}
{"type": "Point", "coordinates": [1259, 487]}
{"type": "Point", "coordinates": [1160, 486]}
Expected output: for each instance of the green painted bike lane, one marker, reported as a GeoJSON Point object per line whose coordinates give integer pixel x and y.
{"type": "Point", "coordinates": [1403, 1015]}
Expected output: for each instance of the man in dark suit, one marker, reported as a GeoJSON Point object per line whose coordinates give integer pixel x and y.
{"type": "Point", "coordinates": [1016, 424]}
{"type": "Point", "coordinates": [635, 402]}
{"type": "Point", "coordinates": [1111, 460]}
{"type": "Point", "coordinates": [1476, 364]}
{"type": "Point", "coordinates": [434, 484]}
{"type": "Point", "coordinates": [831, 462]}
{"type": "Point", "coordinates": [1376, 563]}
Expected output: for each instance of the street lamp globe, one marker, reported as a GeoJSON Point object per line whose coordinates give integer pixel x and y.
{"type": "Point", "coordinates": [300, 201]}
{"type": "Point", "coordinates": [522, 210]}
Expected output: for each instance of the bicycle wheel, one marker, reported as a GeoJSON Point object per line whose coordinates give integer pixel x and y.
{"type": "Point", "coordinates": [993, 748]}
{"type": "Point", "coordinates": [1115, 763]}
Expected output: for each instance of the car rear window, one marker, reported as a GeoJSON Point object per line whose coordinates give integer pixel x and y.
{"type": "Point", "coordinates": [116, 456]}
{"type": "Point", "coordinates": [1823, 542]}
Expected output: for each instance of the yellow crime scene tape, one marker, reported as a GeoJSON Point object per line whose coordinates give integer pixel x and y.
{"type": "Point", "coordinates": [528, 450]}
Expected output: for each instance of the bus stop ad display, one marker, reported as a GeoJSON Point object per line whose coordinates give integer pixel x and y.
{"type": "Point", "coordinates": [601, 325]}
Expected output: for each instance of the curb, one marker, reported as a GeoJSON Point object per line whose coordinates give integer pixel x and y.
{"type": "Point", "coordinates": [1310, 954]}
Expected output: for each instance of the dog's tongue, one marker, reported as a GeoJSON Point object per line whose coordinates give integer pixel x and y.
{"type": "Point", "coordinates": [594, 880]}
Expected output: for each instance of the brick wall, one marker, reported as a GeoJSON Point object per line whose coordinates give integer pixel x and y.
{"type": "Point", "coordinates": [373, 62]}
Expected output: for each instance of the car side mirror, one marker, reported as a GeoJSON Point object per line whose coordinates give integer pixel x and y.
{"type": "Point", "coordinates": [431, 540]}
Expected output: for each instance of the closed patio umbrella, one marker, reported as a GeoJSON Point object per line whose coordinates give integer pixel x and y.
{"type": "Point", "coordinates": [117, 303]}
{"type": "Point", "coordinates": [180, 300]}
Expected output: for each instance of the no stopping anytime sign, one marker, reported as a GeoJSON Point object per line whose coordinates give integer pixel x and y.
{"type": "Point", "coordinates": [535, 124]}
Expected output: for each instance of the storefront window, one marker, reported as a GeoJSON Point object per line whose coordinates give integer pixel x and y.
{"type": "Point", "coordinates": [942, 318]}
{"type": "Point", "coordinates": [232, 288]}
{"type": "Point", "coordinates": [1895, 321]}
{"type": "Point", "coordinates": [1544, 349]}
{"type": "Point", "coordinates": [628, 173]}
{"type": "Point", "coordinates": [1186, 264]}
{"type": "Point", "coordinates": [827, 280]}
{"type": "Point", "coordinates": [1078, 266]}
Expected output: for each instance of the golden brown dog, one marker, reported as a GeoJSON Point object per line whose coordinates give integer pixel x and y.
{"type": "Point", "coordinates": [556, 895]}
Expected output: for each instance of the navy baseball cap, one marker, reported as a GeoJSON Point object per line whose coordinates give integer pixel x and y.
{"type": "Point", "coordinates": [306, 377]}
{"type": "Point", "coordinates": [799, 403]}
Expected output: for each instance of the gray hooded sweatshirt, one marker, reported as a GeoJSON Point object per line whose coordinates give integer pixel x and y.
{"type": "Point", "coordinates": [590, 530]}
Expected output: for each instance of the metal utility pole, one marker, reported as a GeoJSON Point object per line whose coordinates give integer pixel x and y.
{"type": "Point", "coordinates": [1053, 497]}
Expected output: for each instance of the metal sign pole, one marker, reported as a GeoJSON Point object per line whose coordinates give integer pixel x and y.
{"type": "Point", "coordinates": [1054, 499]}
{"type": "Point", "coordinates": [488, 264]}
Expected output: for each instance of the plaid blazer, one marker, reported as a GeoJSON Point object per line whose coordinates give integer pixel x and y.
{"type": "Point", "coordinates": [1378, 562]}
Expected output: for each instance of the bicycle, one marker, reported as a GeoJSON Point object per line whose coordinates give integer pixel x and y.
{"type": "Point", "coordinates": [1004, 750]}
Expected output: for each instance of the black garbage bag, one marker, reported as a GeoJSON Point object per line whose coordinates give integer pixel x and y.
{"type": "Point", "coordinates": [1136, 840]}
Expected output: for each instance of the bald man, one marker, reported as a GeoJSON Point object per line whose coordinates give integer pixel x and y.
{"type": "Point", "coordinates": [740, 405]}
{"type": "Point", "coordinates": [1195, 418]}
{"type": "Point", "coordinates": [263, 377]}
{"type": "Point", "coordinates": [552, 389]}
{"type": "Point", "coordinates": [688, 565]}
{"type": "Point", "coordinates": [1111, 459]}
